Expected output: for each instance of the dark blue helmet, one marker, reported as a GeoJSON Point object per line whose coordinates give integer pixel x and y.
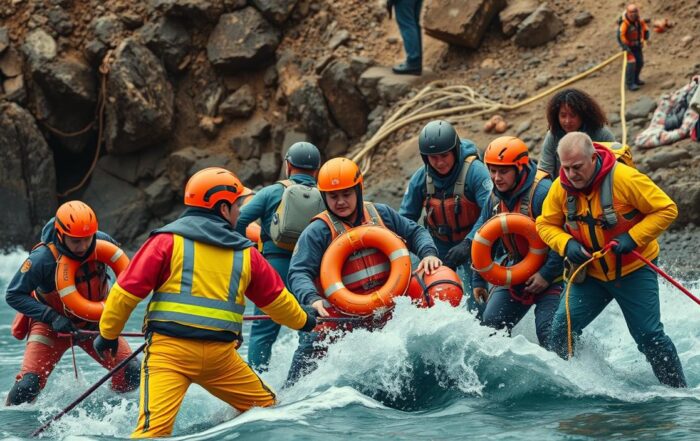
{"type": "Point", "coordinates": [437, 137]}
{"type": "Point", "coordinates": [304, 155]}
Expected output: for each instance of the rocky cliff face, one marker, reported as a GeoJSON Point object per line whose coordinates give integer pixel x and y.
{"type": "Point", "coordinates": [137, 96]}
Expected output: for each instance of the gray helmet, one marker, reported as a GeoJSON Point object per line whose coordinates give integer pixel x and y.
{"type": "Point", "coordinates": [304, 155]}
{"type": "Point", "coordinates": [437, 137]}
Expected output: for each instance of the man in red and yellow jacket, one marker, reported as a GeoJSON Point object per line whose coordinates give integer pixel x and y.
{"type": "Point", "coordinates": [200, 272]}
{"type": "Point", "coordinates": [597, 200]}
{"type": "Point", "coordinates": [632, 35]}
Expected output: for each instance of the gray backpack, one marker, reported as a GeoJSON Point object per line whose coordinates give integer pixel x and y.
{"type": "Point", "coordinates": [300, 203]}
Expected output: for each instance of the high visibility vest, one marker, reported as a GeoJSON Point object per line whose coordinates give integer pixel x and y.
{"type": "Point", "coordinates": [365, 269]}
{"type": "Point", "coordinates": [205, 289]}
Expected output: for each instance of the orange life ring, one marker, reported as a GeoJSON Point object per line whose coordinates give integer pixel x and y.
{"type": "Point", "coordinates": [497, 227]}
{"type": "Point", "coordinates": [105, 252]}
{"type": "Point", "coordinates": [359, 238]}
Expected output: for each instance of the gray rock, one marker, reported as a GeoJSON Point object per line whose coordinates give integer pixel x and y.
{"type": "Point", "coordinates": [640, 109]}
{"type": "Point", "coordinates": [160, 196]}
{"type": "Point", "coordinates": [207, 10]}
{"type": "Point", "coordinates": [339, 38]}
{"type": "Point", "coordinates": [234, 5]}
{"type": "Point", "coordinates": [4, 39]}
{"type": "Point", "coordinates": [60, 21]}
{"type": "Point", "coordinates": [542, 80]}
{"type": "Point", "coordinates": [379, 83]}
{"type": "Point", "coordinates": [582, 19]}
{"type": "Point", "coordinates": [245, 146]}
{"type": "Point", "coordinates": [131, 20]}
{"type": "Point", "coordinates": [249, 173]}
{"type": "Point", "coordinates": [668, 84]}
{"type": "Point", "coordinates": [178, 165]}
{"type": "Point", "coordinates": [135, 166]}
{"type": "Point", "coordinates": [376, 119]}
{"type": "Point", "coordinates": [210, 161]}
{"type": "Point", "coordinates": [39, 47]}
{"type": "Point", "coordinates": [613, 118]}
{"type": "Point", "coordinates": [538, 28]}
{"type": "Point", "coordinates": [666, 158]}
{"type": "Point", "coordinates": [239, 104]}
{"type": "Point", "coordinates": [292, 138]}
{"type": "Point", "coordinates": [323, 62]}
{"type": "Point", "coordinates": [95, 51]}
{"type": "Point", "coordinates": [338, 145]}
{"type": "Point", "coordinates": [11, 63]}
{"type": "Point", "coordinates": [269, 166]}
{"type": "Point", "coordinates": [242, 40]}
{"type": "Point", "coordinates": [345, 101]}
{"type": "Point", "coordinates": [308, 107]}
{"type": "Point", "coordinates": [169, 39]}
{"type": "Point", "coordinates": [459, 22]}
{"type": "Point", "coordinates": [108, 29]}
{"type": "Point", "coordinates": [270, 76]}
{"type": "Point", "coordinates": [140, 109]}
{"type": "Point", "coordinates": [514, 14]}
{"type": "Point", "coordinates": [523, 127]}
{"type": "Point", "coordinates": [27, 177]}
{"type": "Point", "coordinates": [277, 11]}
{"type": "Point", "coordinates": [13, 89]}
{"type": "Point", "coordinates": [360, 64]}
{"type": "Point", "coordinates": [686, 195]}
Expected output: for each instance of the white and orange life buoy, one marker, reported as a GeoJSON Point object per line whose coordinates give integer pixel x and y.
{"type": "Point", "coordinates": [494, 229]}
{"type": "Point", "coordinates": [105, 252]}
{"type": "Point", "coordinates": [356, 239]}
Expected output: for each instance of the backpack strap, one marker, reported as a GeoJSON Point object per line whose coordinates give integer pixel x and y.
{"type": "Point", "coordinates": [50, 246]}
{"type": "Point", "coordinates": [373, 214]}
{"type": "Point", "coordinates": [429, 185]}
{"type": "Point", "coordinates": [526, 200]}
{"type": "Point", "coordinates": [334, 224]}
{"type": "Point", "coordinates": [462, 177]}
{"type": "Point", "coordinates": [286, 183]}
{"type": "Point", "coordinates": [606, 199]}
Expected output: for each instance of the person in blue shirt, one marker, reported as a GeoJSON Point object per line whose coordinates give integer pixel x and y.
{"type": "Point", "coordinates": [340, 183]}
{"type": "Point", "coordinates": [302, 162]}
{"type": "Point", "coordinates": [518, 188]}
{"type": "Point", "coordinates": [452, 188]}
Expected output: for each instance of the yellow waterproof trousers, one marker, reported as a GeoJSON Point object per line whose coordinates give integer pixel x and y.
{"type": "Point", "coordinates": [171, 364]}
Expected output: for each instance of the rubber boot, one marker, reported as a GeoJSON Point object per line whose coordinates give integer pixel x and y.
{"type": "Point", "coordinates": [629, 77]}
{"type": "Point", "coordinates": [25, 390]}
{"type": "Point", "coordinates": [667, 367]}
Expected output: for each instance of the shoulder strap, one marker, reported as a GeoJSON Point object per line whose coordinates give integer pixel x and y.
{"type": "Point", "coordinates": [50, 246]}
{"type": "Point", "coordinates": [495, 204]}
{"type": "Point", "coordinates": [334, 224]}
{"type": "Point", "coordinates": [571, 211]}
{"type": "Point", "coordinates": [606, 199]}
{"type": "Point", "coordinates": [373, 214]}
{"type": "Point", "coordinates": [526, 200]}
{"type": "Point", "coordinates": [429, 186]}
{"type": "Point", "coordinates": [462, 178]}
{"type": "Point", "coordinates": [286, 183]}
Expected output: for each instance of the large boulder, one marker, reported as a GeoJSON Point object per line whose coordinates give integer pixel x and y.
{"type": "Point", "coordinates": [277, 11]}
{"type": "Point", "coordinates": [11, 70]}
{"type": "Point", "coordinates": [27, 177]}
{"type": "Point", "coordinates": [169, 39]}
{"type": "Point", "coordinates": [687, 196]}
{"type": "Point", "coordinates": [140, 100]}
{"type": "Point", "coordinates": [133, 167]}
{"type": "Point", "coordinates": [239, 104]}
{"type": "Point", "coordinates": [307, 106]}
{"type": "Point", "coordinates": [379, 84]}
{"type": "Point", "coordinates": [65, 92]}
{"type": "Point", "coordinates": [515, 13]}
{"type": "Point", "coordinates": [345, 101]}
{"type": "Point", "coordinates": [460, 22]}
{"type": "Point", "coordinates": [178, 165]}
{"type": "Point", "coordinates": [242, 40]}
{"type": "Point", "coordinates": [208, 10]}
{"type": "Point", "coordinates": [539, 27]}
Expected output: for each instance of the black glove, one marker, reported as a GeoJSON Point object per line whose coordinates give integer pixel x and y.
{"type": "Point", "coordinates": [311, 314]}
{"type": "Point", "coordinates": [459, 254]}
{"type": "Point", "coordinates": [389, 6]}
{"type": "Point", "coordinates": [58, 322]}
{"type": "Point", "coordinates": [625, 244]}
{"type": "Point", "coordinates": [576, 253]}
{"type": "Point", "coordinates": [102, 344]}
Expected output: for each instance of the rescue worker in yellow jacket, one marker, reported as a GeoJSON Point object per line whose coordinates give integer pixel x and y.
{"type": "Point", "coordinates": [597, 200]}
{"type": "Point", "coordinates": [200, 272]}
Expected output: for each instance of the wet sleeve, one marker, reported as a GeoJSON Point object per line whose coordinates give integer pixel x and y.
{"type": "Point", "coordinates": [418, 239]}
{"type": "Point", "coordinates": [548, 155]}
{"type": "Point", "coordinates": [412, 202]}
{"type": "Point", "coordinates": [550, 224]}
{"type": "Point", "coordinates": [30, 275]}
{"type": "Point", "coordinates": [553, 266]}
{"type": "Point", "coordinates": [267, 291]}
{"type": "Point", "coordinates": [305, 264]}
{"type": "Point", "coordinates": [479, 181]}
{"type": "Point", "coordinates": [252, 211]}
{"type": "Point", "coordinates": [149, 268]}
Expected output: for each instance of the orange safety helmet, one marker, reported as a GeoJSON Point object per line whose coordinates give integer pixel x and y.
{"type": "Point", "coordinates": [212, 185]}
{"type": "Point", "coordinates": [507, 150]}
{"type": "Point", "coordinates": [339, 174]}
{"type": "Point", "coordinates": [75, 219]}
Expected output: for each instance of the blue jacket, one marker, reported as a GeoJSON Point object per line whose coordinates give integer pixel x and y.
{"type": "Point", "coordinates": [263, 206]}
{"type": "Point", "coordinates": [554, 265]}
{"type": "Point", "coordinates": [38, 271]}
{"type": "Point", "coordinates": [477, 187]}
{"type": "Point", "coordinates": [315, 239]}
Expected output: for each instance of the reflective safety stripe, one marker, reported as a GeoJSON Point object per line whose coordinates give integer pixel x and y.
{"type": "Point", "coordinates": [482, 240]}
{"type": "Point", "coordinates": [67, 290]}
{"type": "Point", "coordinates": [212, 304]}
{"type": "Point", "coordinates": [509, 277]}
{"type": "Point", "coordinates": [362, 253]}
{"type": "Point", "coordinates": [117, 254]}
{"type": "Point", "coordinates": [197, 320]}
{"type": "Point", "coordinates": [487, 268]}
{"type": "Point", "coordinates": [334, 288]}
{"type": "Point", "coordinates": [41, 339]}
{"type": "Point", "coordinates": [366, 273]}
{"type": "Point", "coordinates": [538, 250]}
{"type": "Point", "coordinates": [504, 225]}
{"type": "Point", "coordinates": [398, 254]}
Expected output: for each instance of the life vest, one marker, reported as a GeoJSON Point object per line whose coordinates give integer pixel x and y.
{"type": "Point", "coordinates": [449, 217]}
{"type": "Point", "coordinates": [205, 289]}
{"type": "Point", "coordinates": [609, 221]}
{"type": "Point", "coordinates": [634, 33]}
{"type": "Point", "coordinates": [366, 269]}
{"type": "Point", "coordinates": [91, 282]}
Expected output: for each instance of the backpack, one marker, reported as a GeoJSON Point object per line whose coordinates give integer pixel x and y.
{"type": "Point", "coordinates": [300, 203]}
{"type": "Point", "coordinates": [622, 152]}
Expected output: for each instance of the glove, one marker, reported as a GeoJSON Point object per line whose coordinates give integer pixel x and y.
{"type": "Point", "coordinates": [102, 344]}
{"type": "Point", "coordinates": [58, 322]}
{"type": "Point", "coordinates": [625, 244]}
{"type": "Point", "coordinates": [576, 253]}
{"type": "Point", "coordinates": [389, 6]}
{"type": "Point", "coordinates": [459, 253]}
{"type": "Point", "coordinates": [310, 318]}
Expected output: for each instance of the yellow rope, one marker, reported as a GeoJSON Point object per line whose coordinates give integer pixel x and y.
{"type": "Point", "coordinates": [439, 92]}
{"type": "Point", "coordinates": [623, 118]}
{"type": "Point", "coordinates": [570, 339]}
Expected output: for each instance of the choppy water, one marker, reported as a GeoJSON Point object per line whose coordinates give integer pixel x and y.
{"type": "Point", "coordinates": [429, 374]}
